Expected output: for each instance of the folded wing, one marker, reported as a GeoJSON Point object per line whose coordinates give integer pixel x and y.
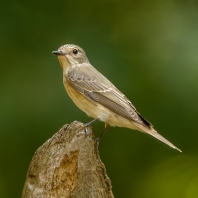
{"type": "Point", "coordinates": [93, 85]}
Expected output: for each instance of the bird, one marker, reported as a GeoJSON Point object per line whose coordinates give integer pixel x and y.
{"type": "Point", "coordinates": [95, 95]}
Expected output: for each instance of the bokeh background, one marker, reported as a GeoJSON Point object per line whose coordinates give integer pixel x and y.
{"type": "Point", "coordinates": [148, 49]}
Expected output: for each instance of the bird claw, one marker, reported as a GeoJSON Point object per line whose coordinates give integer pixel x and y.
{"type": "Point", "coordinates": [86, 126]}
{"type": "Point", "coordinates": [97, 142]}
{"type": "Point", "coordinates": [86, 130]}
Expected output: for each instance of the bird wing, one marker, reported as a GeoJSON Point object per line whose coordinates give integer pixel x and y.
{"type": "Point", "coordinates": [93, 85]}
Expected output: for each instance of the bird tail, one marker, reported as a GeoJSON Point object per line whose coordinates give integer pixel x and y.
{"type": "Point", "coordinates": [151, 131]}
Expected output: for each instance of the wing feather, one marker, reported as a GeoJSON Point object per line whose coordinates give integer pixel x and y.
{"type": "Point", "coordinates": [93, 85]}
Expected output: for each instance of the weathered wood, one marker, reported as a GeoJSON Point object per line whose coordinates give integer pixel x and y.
{"type": "Point", "coordinates": [68, 165]}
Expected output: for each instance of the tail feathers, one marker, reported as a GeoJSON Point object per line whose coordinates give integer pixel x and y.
{"type": "Point", "coordinates": [155, 134]}
{"type": "Point", "coordinates": [161, 138]}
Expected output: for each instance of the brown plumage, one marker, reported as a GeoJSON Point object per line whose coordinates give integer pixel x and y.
{"type": "Point", "coordinates": [88, 81]}
{"type": "Point", "coordinates": [97, 96]}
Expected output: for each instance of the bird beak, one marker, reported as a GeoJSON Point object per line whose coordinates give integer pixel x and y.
{"type": "Point", "coordinates": [58, 53]}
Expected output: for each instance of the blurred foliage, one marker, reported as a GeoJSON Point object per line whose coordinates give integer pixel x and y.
{"type": "Point", "coordinates": [148, 49]}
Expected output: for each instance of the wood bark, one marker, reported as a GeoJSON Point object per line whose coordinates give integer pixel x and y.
{"type": "Point", "coordinates": [68, 165]}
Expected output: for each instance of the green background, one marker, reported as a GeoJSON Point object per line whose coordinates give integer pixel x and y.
{"type": "Point", "coordinates": [148, 49]}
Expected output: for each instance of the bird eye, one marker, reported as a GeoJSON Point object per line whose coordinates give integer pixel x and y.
{"type": "Point", "coordinates": [75, 51]}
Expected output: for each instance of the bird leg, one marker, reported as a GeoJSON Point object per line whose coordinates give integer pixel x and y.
{"type": "Point", "coordinates": [88, 124]}
{"type": "Point", "coordinates": [100, 137]}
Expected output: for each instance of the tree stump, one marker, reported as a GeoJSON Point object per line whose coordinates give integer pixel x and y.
{"type": "Point", "coordinates": [68, 165]}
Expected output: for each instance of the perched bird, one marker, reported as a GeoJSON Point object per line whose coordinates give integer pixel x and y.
{"type": "Point", "coordinates": [97, 96]}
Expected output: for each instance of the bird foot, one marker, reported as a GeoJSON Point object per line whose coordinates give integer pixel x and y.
{"type": "Point", "coordinates": [86, 130]}
{"type": "Point", "coordinates": [97, 142]}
